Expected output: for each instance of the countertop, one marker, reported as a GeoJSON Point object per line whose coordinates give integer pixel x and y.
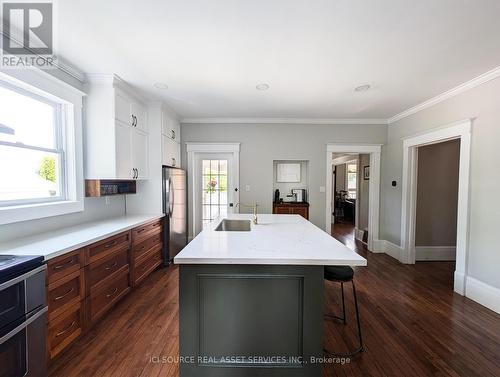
{"type": "Point", "coordinates": [276, 240]}
{"type": "Point", "coordinates": [55, 243]}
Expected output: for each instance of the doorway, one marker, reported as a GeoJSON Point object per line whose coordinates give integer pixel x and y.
{"type": "Point", "coordinates": [462, 132]}
{"type": "Point", "coordinates": [359, 172]}
{"type": "Point", "coordinates": [213, 178]}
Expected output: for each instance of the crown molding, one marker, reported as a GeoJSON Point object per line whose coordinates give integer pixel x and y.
{"type": "Point", "coordinates": [485, 77]}
{"type": "Point", "coordinates": [284, 121]}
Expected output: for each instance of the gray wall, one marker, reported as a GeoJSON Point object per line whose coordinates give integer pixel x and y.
{"type": "Point", "coordinates": [481, 103]}
{"type": "Point", "coordinates": [263, 143]}
{"type": "Point", "coordinates": [437, 194]}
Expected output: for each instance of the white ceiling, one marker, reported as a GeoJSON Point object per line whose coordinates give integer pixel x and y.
{"type": "Point", "coordinates": [213, 53]}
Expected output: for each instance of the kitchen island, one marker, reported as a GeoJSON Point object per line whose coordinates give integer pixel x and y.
{"type": "Point", "coordinates": [251, 300]}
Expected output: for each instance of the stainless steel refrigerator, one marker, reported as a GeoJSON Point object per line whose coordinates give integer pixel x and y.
{"type": "Point", "coordinates": [175, 210]}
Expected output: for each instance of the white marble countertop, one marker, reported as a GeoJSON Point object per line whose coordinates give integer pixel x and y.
{"type": "Point", "coordinates": [55, 243]}
{"type": "Point", "coordinates": [277, 239]}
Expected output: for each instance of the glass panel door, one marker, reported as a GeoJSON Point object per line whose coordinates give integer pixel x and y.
{"type": "Point", "coordinates": [214, 189]}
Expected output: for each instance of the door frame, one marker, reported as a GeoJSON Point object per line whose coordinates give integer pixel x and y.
{"type": "Point", "coordinates": [195, 148]}
{"type": "Point", "coordinates": [374, 151]}
{"type": "Point", "coordinates": [460, 130]}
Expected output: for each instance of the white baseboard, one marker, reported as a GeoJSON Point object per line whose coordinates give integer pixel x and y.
{"type": "Point", "coordinates": [384, 246]}
{"type": "Point", "coordinates": [459, 283]}
{"type": "Point", "coordinates": [485, 294]}
{"type": "Point", "coordinates": [435, 253]}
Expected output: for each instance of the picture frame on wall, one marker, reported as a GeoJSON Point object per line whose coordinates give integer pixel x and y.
{"type": "Point", "coordinates": [288, 173]}
{"type": "Point", "coordinates": [366, 172]}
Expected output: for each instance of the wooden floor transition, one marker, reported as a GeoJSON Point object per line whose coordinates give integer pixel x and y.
{"type": "Point", "coordinates": [413, 325]}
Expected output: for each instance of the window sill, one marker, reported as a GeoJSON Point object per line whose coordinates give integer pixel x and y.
{"type": "Point", "coordinates": [14, 214]}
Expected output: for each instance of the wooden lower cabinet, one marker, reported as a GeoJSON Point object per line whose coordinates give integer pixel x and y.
{"type": "Point", "coordinates": [292, 208]}
{"type": "Point", "coordinates": [84, 284]}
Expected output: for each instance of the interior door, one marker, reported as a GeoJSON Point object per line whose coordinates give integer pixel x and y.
{"type": "Point", "coordinates": [216, 192]}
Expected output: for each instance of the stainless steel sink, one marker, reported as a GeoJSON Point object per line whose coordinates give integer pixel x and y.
{"type": "Point", "coordinates": [228, 225]}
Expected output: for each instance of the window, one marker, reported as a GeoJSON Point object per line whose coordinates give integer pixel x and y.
{"type": "Point", "coordinates": [41, 160]}
{"type": "Point", "coordinates": [352, 180]}
{"type": "Point", "coordinates": [214, 196]}
{"type": "Point", "coordinates": [31, 148]}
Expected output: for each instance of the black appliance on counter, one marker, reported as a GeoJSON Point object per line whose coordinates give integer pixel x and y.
{"type": "Point", "coordinates": [23, 316]}
{"type": "Point", "coordinates": [175, 210]}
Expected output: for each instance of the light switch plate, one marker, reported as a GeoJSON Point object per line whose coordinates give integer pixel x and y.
{"type": "Point", "coordinates": [247, 188]}
{"type": "Point", "coordinates": [322, 189]}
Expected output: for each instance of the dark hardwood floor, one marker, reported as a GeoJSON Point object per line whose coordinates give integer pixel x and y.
{"type": "Point", "coordinates": [413, 325]}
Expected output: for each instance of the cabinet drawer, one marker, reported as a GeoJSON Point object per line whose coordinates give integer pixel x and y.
{"type": "Point", "coordinates": [105, 297]}
{"type": "Point", "coordinates": [64, 265]}
{"type": "Point", "coordinates": [146, 245]}
{"type": "Point", "coordinates": [64, 330]}
{"type": "Point", "coordinates": [146, 265]}
{"type": "Point", "coordinates": [140, 233]}
{"type": "Point", "coordinates": [107, 247]}
{"type": "Point", "coordinates": [65, 293]}
{"type": "Point", "coordinates": [104, 268]}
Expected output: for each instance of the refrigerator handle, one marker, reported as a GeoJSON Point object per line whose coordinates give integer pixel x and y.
{"type": "Point", "coordinates": [170, 198]}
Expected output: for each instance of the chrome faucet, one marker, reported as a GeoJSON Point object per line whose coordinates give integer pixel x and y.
{"type": "Point", "coordinates": [254, 206]}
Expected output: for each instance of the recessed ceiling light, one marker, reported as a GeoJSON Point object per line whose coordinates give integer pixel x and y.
{"type": "Point", "coordinates": [362, 88]}
{"type": "Point", "coordinates": [160, 85]}
{"type": "Point", "coordinates": [262, 87]}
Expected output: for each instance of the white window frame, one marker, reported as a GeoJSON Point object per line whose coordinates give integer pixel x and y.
{"type": "Point", "coordinates": [68, 99]}
{"type": "Point", "coordinates": [354, 162]}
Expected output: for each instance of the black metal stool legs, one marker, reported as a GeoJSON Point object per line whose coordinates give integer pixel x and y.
{"type": "Point", "coordinates": [360, 337]}
{"type": "Point", "coordinates": [343, 318]}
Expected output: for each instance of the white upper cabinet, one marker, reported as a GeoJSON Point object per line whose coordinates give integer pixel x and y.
{"type": "Point", "coordinates": [171, 152]}
{"type": "Point", "coordinates": [139, 116]}
{"type": "Point", "coordinates": [170, 126]}
{"type": "Point", "coordinates": [171, 138]}
{"type": "Point", "coordinates": [116, 138]}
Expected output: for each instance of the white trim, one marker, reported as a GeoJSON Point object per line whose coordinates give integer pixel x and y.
{"type": "Point", "coordinates": [284, 121]}
{"type": "Point", "coordinates": [483, 293]}
{"type": "Point", "coordinates": [194, 148]}
{"type": "Point", "coordinates": [459, 130]}
{"type": "Point", "coordinates": [485, 77]}
{"type": "Point", "coordinates": [435, 253]}
{"type": "Point", "coordinates": [212, 147]}
{"type": "Point", "coordinates": [374, 192]}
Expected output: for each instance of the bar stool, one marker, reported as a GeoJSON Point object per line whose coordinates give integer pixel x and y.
{"type": "Point", "coordinates": [344, 274]}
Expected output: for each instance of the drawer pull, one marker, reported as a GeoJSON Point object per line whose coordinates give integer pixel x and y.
{"type": "Point", "coordinates": [141, 230]}
{"type": "Point", "coordinates": [66, 329]}
{"type": "Point", "coordinates": [155, 225]}
{"type": "Point", "coordinates": [111, 244]}
{"type": "Point", "coordinates": [64, 295]}
{"type": "Point", "coordinates": [59, 266]}
{"type": "Point", "coordinates": [107, 268]}
{"type": "Point", "coordinates": [113, 293]}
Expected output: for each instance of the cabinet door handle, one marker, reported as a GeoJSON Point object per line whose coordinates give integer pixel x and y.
{"type": "Point", "coordinates": [173, 161]}
{"type": "Point", "coordinates": [111, 244]}
{"type": "Point", "coordinates": [112, 293]}
{"type": "Point", "coordinates": [64, 295]}
{"type": "Point", "coordinates": [107, 268]}
{"type": "Point", "coordinates": [66, 329]}
{"type": "Point", "coordinates": [137, 175]}
{"type": "Point", "coordinates": [173, 134]}
{"type": "Point", "coordinates": [59, 266]}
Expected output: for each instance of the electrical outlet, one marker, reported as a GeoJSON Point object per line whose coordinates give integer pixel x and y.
{"type": "Point", "coordinates": [108, 200]}
{"type": "Point", "coordinates": [322, 189]}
